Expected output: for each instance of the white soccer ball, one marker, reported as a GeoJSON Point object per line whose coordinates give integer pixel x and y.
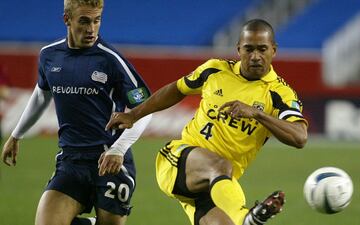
{"type": "Point", "coordinates": [328, 190]}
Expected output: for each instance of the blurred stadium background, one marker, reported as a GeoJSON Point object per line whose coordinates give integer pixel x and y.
{"type": "Point", "coordinates": [318, 55]}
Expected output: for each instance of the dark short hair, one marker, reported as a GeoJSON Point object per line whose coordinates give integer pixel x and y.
{"type": "Point", "coordinates": [258, 25]}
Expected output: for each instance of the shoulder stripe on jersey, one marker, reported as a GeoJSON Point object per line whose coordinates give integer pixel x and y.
{"type": "Point", "coordinates": [128, 71]}
{"type": "Point", "coordinates": [277, 101]}
{"type": "Point", "coordinates": [113, 131]}
{"type": "Point", "coordinates": [201, 79]}
{"type": "Point", "coordinates": [53, 44]}
{"type": "Point", "coordinates": [289, 113]}
{"type": "Point", "coordinates": [279, 104]}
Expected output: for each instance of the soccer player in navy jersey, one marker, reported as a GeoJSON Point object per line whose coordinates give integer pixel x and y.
{"type": "Point", "coordinates": [243, 103]}
{"type": "Point", "coordinates": [88, 80]}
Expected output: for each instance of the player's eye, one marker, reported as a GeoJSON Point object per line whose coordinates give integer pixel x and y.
{"type": "Point", "coordinates": [263, 49]}
{"type": "Point", "coordinates": [83, 22]}
{"type": "Point", "coordinates": [249, 49]}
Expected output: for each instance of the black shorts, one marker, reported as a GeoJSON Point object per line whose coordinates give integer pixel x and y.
{"type": "Point", "coordinates": [77, 176]}
{"type": "Point", "coordinates": [203, 201]}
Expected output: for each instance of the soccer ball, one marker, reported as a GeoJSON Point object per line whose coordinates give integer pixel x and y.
{"type": "Point", "coordinates": [328, 190]}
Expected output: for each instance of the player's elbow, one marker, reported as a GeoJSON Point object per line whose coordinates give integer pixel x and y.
{"type": "Point", "coordinates": [300, 141]}
{"type": "Point", "coordinates": [300, 135]}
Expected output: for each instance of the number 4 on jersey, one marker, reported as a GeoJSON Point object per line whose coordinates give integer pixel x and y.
{"type": "Point", "coordinates": [206, 130]}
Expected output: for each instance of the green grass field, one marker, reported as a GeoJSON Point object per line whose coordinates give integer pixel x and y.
{"type": "Point", "coordinates": [277, 167]}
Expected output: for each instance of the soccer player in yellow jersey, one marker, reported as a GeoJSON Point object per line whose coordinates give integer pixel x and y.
{"type": "Point", "coordinates": [243, 104]}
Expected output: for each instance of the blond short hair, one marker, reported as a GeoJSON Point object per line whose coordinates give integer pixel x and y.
{"type": "Point", "coordinates": [69, 5]}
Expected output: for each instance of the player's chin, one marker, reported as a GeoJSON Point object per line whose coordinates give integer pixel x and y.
{"type": "Point", "coordinates": [87, 44]}
{"type": "Point", "coordinates": [256, 69]}
{"type": "Point", "coordinates": [257, 72]}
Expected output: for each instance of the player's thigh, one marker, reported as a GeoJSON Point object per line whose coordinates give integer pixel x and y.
{"type": "Point", "coordinates": [188, 170]}
{"type": "Point", "coordinates": [215, 217]}
{"type": "Point", "coordinates": [104, 217]}
{"type": "Point", "coordinates": [202, 166]}
{"type": "Point", "coordinates": [56, 208]}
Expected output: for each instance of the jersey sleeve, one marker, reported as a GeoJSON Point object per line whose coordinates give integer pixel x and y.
{"type": "Point", "coordinates": [193, 83]}
{"type": "Point", "coordinates": [42, 81]}
{"type": "Point", "coordinates": [286, 104]}
{"type": "Point", "coordinates": [133, 88]}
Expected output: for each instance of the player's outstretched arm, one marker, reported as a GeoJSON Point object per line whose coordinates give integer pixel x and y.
{"type": "Point", "coordinates": [10, 151]}
{"type": "Point", "coordinates": [290, 133]}
{"type": "Point", "coordinates": [111, 161]}
{"type": "Point", "coordinates": [164, 98]}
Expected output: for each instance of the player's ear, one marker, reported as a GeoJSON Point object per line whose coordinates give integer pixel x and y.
{"type": "Point", "coordinates": [66, 19]}
{"type": "Point", "coordinates": [274, 46]}
{"type": "Point", "coordinates": [238, 49]}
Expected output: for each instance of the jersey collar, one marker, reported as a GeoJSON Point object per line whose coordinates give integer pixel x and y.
{"type": "Point", "coordinates": [269, 77]}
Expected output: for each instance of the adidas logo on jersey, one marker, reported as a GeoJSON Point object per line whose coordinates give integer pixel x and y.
{"type": "Point", "coordinates": [218, 92]}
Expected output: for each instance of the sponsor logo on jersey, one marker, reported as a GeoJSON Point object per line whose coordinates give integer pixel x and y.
{"type": "Point", "coordinates": [137, 95]}
{"type": "Point", "coordinates": [218, 92]}
{"type": "Point", "coordinates": [55, 69]}
{"type": "Point", "coordinates": [247, 126]}
{"type": "Point", "coordinates": [74, 90]}
{"type": "Point", "coordinates": [259, 105]}
{"type": "Point", "coordinates": [99, 77]}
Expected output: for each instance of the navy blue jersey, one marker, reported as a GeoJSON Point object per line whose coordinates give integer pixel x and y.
{"type": "Point", "coordinates": [87, 86]}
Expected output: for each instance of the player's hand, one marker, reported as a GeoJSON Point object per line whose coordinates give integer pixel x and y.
{"type": "Point", "coordinates": [238, 110]}
{"type": "Point", "coordinates": [120, 120]}
{"type": "Point", "coordinates": [110, 164]}
{"type": "Point", "coordinates": [10, 151]}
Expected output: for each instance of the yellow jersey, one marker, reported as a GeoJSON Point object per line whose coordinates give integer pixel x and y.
{"type": "Point", "coordinates": [238, 140]}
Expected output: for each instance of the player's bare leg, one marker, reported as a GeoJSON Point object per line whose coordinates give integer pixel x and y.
{"type": "Point", "coordinates": [56, 208]}
{"type": "Point", "coordinates": [203, 167]}
{"type": "Point", "coordinates": [106, 218]}
{"type": "Point", "coordinates": [215, 217]}
{"type": "Point", "coordinates": [206, 171]}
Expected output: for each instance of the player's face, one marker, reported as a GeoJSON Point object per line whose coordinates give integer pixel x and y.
{"type": "Point", "coordinates": [83, 26]}
{"type": "Point", "coordinates": [256, 50]}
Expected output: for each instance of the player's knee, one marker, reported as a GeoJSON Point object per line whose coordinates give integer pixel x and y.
{"type": "Point", "coordinates": [49, 219]}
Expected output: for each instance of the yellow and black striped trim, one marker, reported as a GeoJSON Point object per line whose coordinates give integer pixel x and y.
{"type": "Point", "coordinates": [173, 159]}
